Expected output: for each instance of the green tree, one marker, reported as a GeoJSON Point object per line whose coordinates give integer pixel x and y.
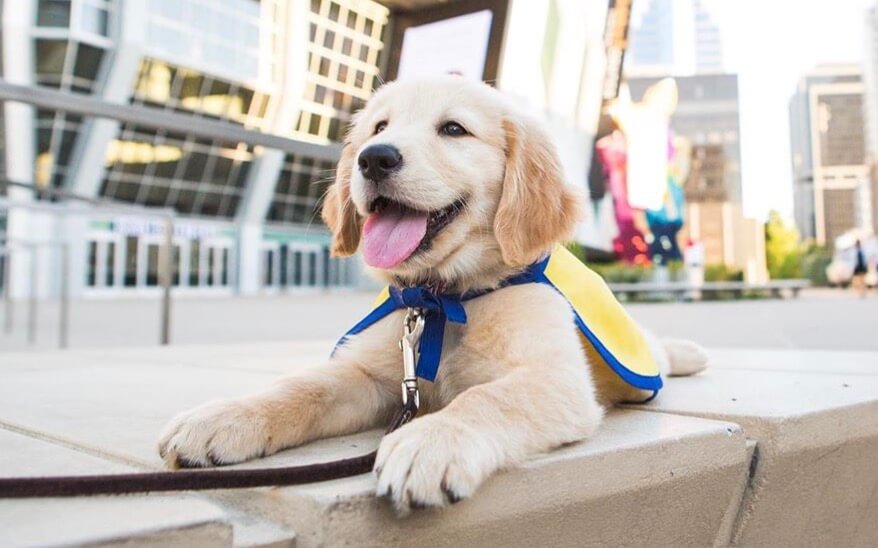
{"type": "Point", "coordinates": [783, 248]}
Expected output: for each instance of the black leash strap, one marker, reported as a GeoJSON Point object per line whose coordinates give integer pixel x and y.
{"type": "Point", "coordinates": [198, 480]}
{"type": "Point", "coordinates": [183, 480]}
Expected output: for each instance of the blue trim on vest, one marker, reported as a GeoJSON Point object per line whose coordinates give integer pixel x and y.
{"type": "Point", "coordinates": [449, 307]}
{"type": "Point", "coordinates": [636, 380]}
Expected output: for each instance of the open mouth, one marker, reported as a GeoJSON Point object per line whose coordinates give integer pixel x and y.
{"type": "Point", "coordinates": [394, 231]}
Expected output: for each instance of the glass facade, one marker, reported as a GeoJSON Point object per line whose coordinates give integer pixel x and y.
{"type": "Point", "coordinates": [301, 185]}
{"type": "Point", "coordinates": [127, 256]}
{"type": "Point", "coordinates": [163, 169]}
{"type": "Point", "coordinates": [56, 134]}
{"type": "Point", "coordinates": [840, 212]}
{"type": "Point", "coordinates": [54, 67]}
{"type": "Point", "coordinates": [215, 59]}
{"type": "Point", "coordinates": [71, 40]}
{"type": "Point", "coordinates": [221, 35]}
{"type": "Point", "coordinates": [842, 139]}
{"type": "Point", "coordinates": [828, 144]}
{"type": "Point", "coordinates": [192, 175]}
{"type": "Point", "coordinates": [169, 87]}
{"type": "Point", "coordinates": [85, 17]}
{"type": "Point", "coordinates": [344, 48]}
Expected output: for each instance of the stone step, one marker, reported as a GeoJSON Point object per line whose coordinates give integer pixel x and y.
{"type": "Point", "coordinates": [763, 449]}
{"type": "Point", "coordinates": [645, 479]}
{"type": "Point", "coordinates": [166, 520]}
{"type": "Point", "coordinates": [814, 416]}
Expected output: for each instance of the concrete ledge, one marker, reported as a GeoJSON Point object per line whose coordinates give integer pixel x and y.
{"type": "Point", "coordinates": [765, 449]}
{"type": "Point", "coordinates": [814, 416]}
{"type": "Point", "coordinates": [634, 484]}
{"type": "Point", "coordinates": [168, 520]}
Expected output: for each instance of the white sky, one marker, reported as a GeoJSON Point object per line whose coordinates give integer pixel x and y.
{"type": "Point", "coordinates": [771, 44]}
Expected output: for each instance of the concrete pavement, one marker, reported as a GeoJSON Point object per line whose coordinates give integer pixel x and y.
{"type": "Point", "coordinates": [766, 448]}
{"type": "Point", "coordinates": [820, 319]}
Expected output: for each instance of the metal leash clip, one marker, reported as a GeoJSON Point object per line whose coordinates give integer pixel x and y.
{"type": "Point", "coordinates": [412, 328]}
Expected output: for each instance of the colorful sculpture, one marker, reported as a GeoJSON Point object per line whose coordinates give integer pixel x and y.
{"type": "Point", "coordinates": [644, 169]}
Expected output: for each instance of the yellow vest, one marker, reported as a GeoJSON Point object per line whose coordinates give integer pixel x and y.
{"type": "Point", "coordinates": [604, 326]}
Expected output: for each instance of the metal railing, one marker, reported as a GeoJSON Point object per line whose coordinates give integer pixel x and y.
{"type": "Point", "coordinates": [32, 247]}
{"type": "Point", "coordinates": [155, 118]}
{"type": "Point", "coordinates": [92, 206]}
{"type": "Point", "coordinates": [86, 105]}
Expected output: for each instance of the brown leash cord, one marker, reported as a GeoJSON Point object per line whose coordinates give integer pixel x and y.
{"type": "Point", "coordinates": [197, 480]}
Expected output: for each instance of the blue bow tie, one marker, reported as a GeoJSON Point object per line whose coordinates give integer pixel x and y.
{"type": "Point", "coordinates": [439, 310]}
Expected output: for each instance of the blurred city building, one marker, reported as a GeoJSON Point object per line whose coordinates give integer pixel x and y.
{"type": "Point", "coordinates": [708, 116]}
{"type": "Point", "coordinates": [248, 216]}
{"type": "Point", "coordinates": [870, 103]}
{"type": "Point", "coordinates": [675, 37]}
{"type": "Point", "coordinates": [831, 188]}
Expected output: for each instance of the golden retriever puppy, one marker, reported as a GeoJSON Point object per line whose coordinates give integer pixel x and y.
{"type": "Point", "coordinates": [441, 184]}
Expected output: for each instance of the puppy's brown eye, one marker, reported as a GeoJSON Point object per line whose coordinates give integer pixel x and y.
{"type": "Point", "coordinates": [453, 129]}
{"type": "Point", "coordinates": [380, 126]}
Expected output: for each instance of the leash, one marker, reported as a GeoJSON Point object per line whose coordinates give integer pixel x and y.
{"type": "Point", "coordinates": [195, 480]}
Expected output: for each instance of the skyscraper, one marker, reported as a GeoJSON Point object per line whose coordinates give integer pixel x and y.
{"type": "Point", "coordinates": [831, 189]}
{"type": "Point", "coordinates": [870, 105]}
{"type": "Point", "coordinates": [675, 37]}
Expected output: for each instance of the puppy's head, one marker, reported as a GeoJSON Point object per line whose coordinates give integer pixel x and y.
{"type": "Point", "coordinates": [442, 181]}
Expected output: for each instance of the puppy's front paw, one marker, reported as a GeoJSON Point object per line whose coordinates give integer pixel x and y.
{"type": "Point", "coordinates": [222, 432]}
{"type": "Point", "coordinates": [431, 462]}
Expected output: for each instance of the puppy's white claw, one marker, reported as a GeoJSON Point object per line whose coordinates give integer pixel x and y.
{"type": "Point", "coordinates": [431, 462]}
{"type": "Point", "coordinates": [223, 432]}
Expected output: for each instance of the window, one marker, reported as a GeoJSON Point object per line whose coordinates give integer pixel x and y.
{"type": "Point", "coordinates": [161, 169]}
{"type": "Point", "coordinates": [175, 265]}
{"type": "Point", "coordinates": [94, 17]}
{"type": "Point", "coordinates": [300, 187]}
{"type": "Point", "coordinates": [88, 61]}
{"type": "Point", "coordinates": [56, 134]}
{"type": "Point", "coordinates": [297, 268]}
{"type": "Point", "coordinates": [50, 59]}
{"type": "Point", "coordinates": [152, 265]}
{"type": "Point", "coordinates": [169, 87]}
{"type": "Point", "coordinates": [131, 261]}
{"type": "Point", "coordinates": [224, 267]}
{"type": "Point", "coordinates": [224, 36]}
{"type": "Point", "coordinates": [342, 63]}
{"type": "Point", "coordinates": [53, 13]}
{"type": "Point", "coordinates": [91, 273]}
{"type": "Point", "coordinates": [194, 263]}
{"type": "Point", "coordinates": [110, 270]}
{"type": "Point", "coordinates": [268, 267]}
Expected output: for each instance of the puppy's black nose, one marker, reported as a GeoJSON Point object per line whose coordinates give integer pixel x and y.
{"type": "Point", "coordinates": [378, 161]}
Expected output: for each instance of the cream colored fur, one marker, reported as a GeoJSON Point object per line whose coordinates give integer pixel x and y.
{"type": "Point", "coordinates": [514, 381]}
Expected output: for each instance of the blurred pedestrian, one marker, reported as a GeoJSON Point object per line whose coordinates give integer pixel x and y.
{"type": "Point", "coordinates": [858, 282]}
{"type": "Point", "coordinates": [693, 258]}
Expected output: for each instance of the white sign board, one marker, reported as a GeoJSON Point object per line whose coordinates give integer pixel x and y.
{"type": "Point", "coordinates": [457, 45]}
{"type": "Point", "coordinates": [135, 226]}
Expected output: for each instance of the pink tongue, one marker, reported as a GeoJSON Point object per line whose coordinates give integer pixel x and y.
{"type": "Point", "coordinates": [391, 236]}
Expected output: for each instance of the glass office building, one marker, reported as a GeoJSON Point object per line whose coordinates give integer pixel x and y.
{"type": "Point", "coordinates": [247, 217]}
{"type": "Point", "coordinates": [828, 138]}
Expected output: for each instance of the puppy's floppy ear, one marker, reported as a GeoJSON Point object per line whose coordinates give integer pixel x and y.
{"type": "Point", "coordinates": [537, 208]}
{"type": "Point", "coordinates": [339, 212]}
